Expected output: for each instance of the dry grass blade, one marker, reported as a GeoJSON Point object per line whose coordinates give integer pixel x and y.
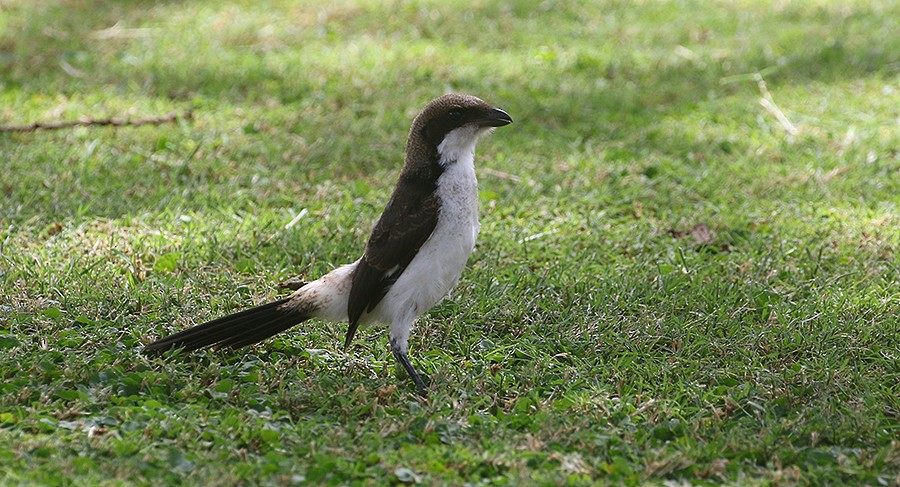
{"type": "Point", "coordinates": [98, 122]}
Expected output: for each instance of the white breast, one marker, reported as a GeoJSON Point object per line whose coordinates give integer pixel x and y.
{"type": "Point", "coordinates": [436, 269]}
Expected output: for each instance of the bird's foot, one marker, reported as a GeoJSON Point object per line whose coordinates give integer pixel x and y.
{"type": "Point", "coordinates": [403, 359]}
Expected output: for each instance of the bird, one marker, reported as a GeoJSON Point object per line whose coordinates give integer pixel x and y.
{"type": "Point", "coordinates": [414, 256]}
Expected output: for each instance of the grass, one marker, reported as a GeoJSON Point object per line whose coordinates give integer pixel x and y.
{"type": "Point", "coordinates": [600, 334]}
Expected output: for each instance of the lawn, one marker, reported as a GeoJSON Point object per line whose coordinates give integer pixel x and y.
{"type": "Point", "coordinates": [688, 270]}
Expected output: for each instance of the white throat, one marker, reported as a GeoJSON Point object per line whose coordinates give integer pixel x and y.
{"type": "Point", "coordinates": [459, 144]}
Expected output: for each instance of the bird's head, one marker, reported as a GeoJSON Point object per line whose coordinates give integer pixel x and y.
{"type": "Point", "coordinates": [452, 124]}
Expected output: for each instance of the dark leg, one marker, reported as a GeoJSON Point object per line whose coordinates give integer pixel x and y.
{"type": "Point", "coordinates": [402, 357]}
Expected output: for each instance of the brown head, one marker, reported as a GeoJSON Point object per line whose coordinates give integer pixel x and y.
{"type": "Point", "coordinates": [455, 117]}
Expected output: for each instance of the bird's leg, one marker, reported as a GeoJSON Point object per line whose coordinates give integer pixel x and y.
{"type": "Point", "coordinates": [400, 348]}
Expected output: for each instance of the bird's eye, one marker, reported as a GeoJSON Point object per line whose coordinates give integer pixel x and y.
{"type": "Point", "coordinates": [455, 114]}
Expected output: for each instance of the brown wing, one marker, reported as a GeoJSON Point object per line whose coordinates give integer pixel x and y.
{"type": "Point", "coordinates": [407, 222]}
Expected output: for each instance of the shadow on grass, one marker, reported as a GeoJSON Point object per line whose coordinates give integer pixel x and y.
{"type": "Point", "coordinates": [576, 94]}
{"type": "Point", "coordinates": [570, 95]}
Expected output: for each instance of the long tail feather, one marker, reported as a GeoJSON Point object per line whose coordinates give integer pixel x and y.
{"type": "Point", "coordinates": [236, 330]}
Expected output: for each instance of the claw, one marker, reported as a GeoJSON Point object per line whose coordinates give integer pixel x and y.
{"type": "Point", "coordinates": [403, 359]}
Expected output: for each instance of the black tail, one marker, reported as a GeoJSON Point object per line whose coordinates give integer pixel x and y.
{"type": "Point", "coordinates": [237, 330]}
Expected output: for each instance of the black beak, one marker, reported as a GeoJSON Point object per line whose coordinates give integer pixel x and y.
{"type": "Point", "coordinates": [495, 117]}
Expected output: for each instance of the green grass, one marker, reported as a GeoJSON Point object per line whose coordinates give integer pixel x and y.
{"type": "Point", "coordinates": [593, 338]}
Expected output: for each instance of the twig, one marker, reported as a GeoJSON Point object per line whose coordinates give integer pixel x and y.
{"type": "Point", "coordinates": [296, 219]}
{"type": "Point", "coordinates": [768, 103]}
{"type": "Point", "coordinates": [91, 122]}
{"type": "Point", "coordinates": [119, 32]}
{"type": "Point", "coordinates": [501, 174]}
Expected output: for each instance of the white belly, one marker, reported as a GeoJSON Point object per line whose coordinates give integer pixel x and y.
{"type": "Point", "coordinates": [428, 278]}
{"type": "Point", "coordinates": [436, 268]}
